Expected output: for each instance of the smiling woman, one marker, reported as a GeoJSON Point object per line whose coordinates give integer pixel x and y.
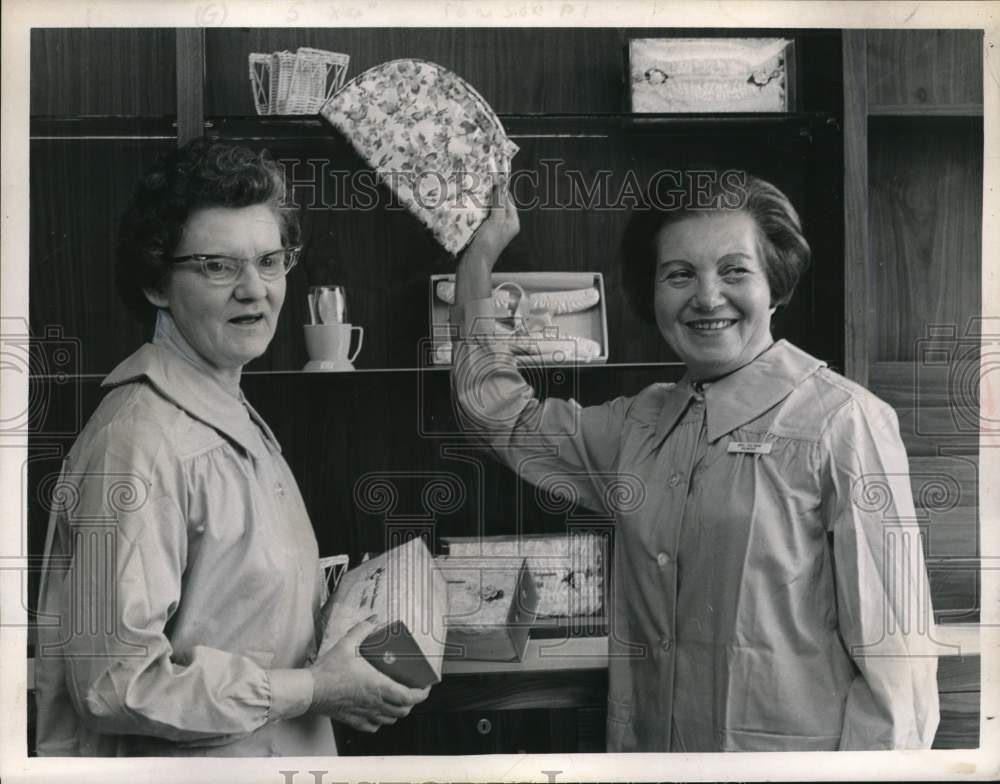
{"type": "Point", "coordinates": [757, 603]}
{"type": "Point", "coordinates": [204, 593]}
{"type": "Point", "coordinates": [711, 297]}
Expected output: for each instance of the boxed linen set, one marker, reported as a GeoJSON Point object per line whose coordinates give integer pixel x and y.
{"type": "Point", "coordinates": [689, 75]}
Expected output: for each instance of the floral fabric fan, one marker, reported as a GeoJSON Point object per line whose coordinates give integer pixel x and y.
{"type": "Point", "coordinates": [431, 138]}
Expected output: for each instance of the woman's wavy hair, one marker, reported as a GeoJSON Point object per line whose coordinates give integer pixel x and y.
{"type": "Point", "coordinates": [200, 174]}
{"type": "Point", "coordinates": [782, 246]}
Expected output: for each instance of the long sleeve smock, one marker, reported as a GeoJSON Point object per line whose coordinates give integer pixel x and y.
{"type": "Point", "coordinates": [769, 590]}
{"type": "Point", "coordinates": [181, 583]}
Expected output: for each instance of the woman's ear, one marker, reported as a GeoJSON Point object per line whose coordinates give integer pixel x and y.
{"type": "Point", "coordinates": [156, 298]}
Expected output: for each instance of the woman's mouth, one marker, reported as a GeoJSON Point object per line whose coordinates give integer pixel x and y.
{"type": "Point", "coordinates": [710, 325]}
{"type": "Point", "coordinates": [247, 320]}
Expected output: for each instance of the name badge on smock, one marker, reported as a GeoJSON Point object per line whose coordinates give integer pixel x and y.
{"type": "Point", "coordinates": [749, 447]}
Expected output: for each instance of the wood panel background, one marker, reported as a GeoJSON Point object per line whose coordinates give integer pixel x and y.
{"type": "Point", "coordinates": [925, 176]}
{"type": "Point", "coordinates": [78, 191]}
{"type": "Point", "coordinates": [925, 67]}
{"type": "Point", "coordinates": [926, 211]}
{"type": "Point", "coordinates": [86, 71]}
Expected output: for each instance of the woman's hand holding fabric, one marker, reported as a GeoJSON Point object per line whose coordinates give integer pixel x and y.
{"type": "Point", "coordinates": [347, 688]}
{"type": "Point", "coordinates": [472, 277]}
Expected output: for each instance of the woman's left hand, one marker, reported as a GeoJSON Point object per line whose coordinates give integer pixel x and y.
{"type": "Point", "coordinates": [472, 275]}
{"type": "Point", "coordinates": [347, 688]}
{"type": "Point", "coordinates": [495, 233]}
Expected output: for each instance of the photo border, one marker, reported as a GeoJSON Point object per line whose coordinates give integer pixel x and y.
{"type": "Point", "coordinates": [18, 16]}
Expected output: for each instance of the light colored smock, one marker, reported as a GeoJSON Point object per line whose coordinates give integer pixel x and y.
{"type": "Point", "coordinates": [769, 590]}
{"type": "Point", "coordinates": [181, 583]}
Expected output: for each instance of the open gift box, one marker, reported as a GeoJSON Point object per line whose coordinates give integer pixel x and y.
{"type": "Point", "coordinates": [568, 570]}
{"type": "Point", "coordinates": [407, 594]}
{"type": "Point", "coordinates": [491, 607]}
{"type": "Point", "coordinates": [574, 301]}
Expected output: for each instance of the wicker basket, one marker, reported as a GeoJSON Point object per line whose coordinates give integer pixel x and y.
{"type": "Point", "coordinates": [299, 83]}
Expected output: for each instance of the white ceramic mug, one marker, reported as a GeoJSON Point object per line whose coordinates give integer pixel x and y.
{"type": "Point", "coordinates": [329, 346]}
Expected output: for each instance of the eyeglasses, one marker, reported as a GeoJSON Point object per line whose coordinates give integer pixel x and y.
{"type": "Point", "coordinates": [272, 265]}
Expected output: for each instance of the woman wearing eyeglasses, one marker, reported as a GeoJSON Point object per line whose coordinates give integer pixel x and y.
{"type": "Point", "coordinates": [181, 594]}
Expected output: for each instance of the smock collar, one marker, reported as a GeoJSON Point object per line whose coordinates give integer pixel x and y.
{"type": "Point", "coordinates": [745, 394]}
{"type": "Point", "coordinates": [182, 376]}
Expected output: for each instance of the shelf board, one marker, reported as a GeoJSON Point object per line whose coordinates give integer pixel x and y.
{"type": "Point", "coordinates": [926, 110]}
{"type": "Point", "coordinates": [587, 653]}
{"type": "Point", "coordinates": [252, 127]}
{"type": "Point", "coordinates": [520, 126]}
{"type": "Point", "coordinates": [103, 128]}
{"type": "Point", "coordinates": [542, 655]}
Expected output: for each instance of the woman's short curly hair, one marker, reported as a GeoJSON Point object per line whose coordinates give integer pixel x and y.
{"type": "Point", "coordinates": [782, 246]}
{"type": "Point", "coordinates": [200, 174]}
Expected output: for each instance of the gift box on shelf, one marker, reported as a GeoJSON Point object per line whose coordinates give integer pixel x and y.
{"type": "Point", "coordinates": [491, 607]}
{"type": "Point", "coordinates": [549, 318]}
{"type": "Point", "coordinates": [568, 571]}
{"type": "Point", "coordinates": [297, 82]}
{"type": "Point", "coordinates": [690, 75]}
{"type": "Point", "coordinates": [404, 590]}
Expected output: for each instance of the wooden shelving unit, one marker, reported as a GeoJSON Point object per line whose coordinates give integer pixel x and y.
{"type": "Point", "coordinates": [913, 163]}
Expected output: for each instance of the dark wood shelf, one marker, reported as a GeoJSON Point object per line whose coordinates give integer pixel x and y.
{"type": "Point", "coordinates": [519, 126]}
{"type": "Point", "coordinates": [103, 127]}
{"type": "Point", "coordinates": [250, 127]}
